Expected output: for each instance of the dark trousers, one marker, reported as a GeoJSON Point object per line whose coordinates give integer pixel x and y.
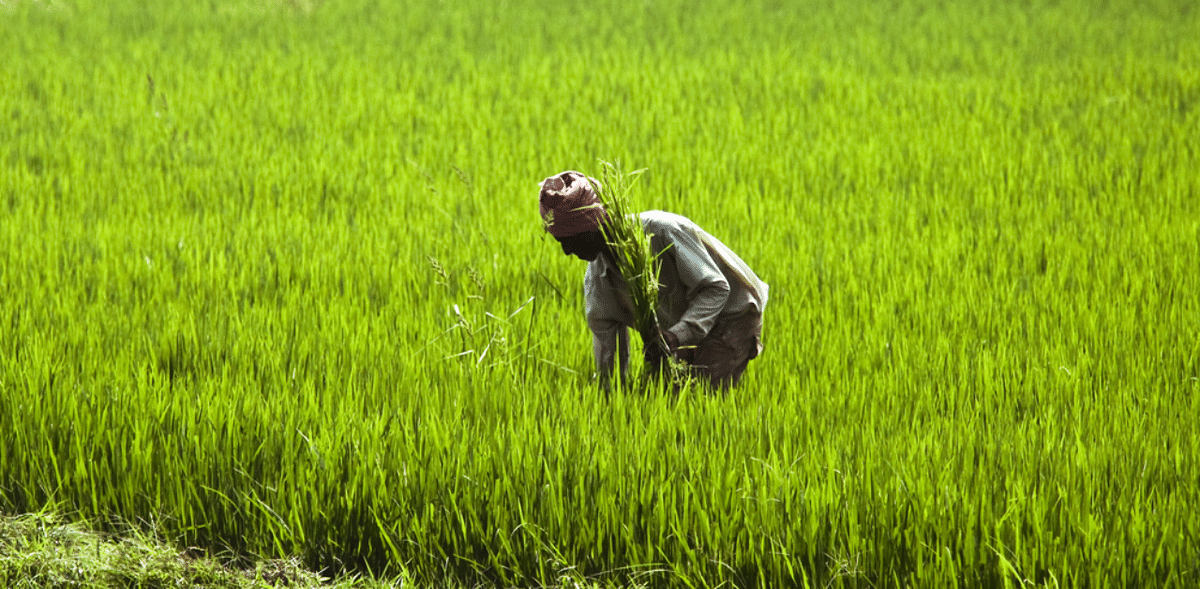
{"type": "Point", "coordinates": [721, 357]}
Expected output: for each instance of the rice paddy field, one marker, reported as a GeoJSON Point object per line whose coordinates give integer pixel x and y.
{"type": "Point", "coordinates": [273, 282]}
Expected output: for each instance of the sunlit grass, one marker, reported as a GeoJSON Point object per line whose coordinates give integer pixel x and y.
{"type": "Point", "coordinates": [980, 225]}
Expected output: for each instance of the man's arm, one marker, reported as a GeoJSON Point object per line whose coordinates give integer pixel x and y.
{"type": "Point", "coordinates": [609, 345]}
{"type": "Point", "coordinates": [608, 321]}
{"type": "Point", "coordinates": [707, 288]}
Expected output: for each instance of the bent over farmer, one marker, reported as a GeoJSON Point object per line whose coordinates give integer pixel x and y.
{"type": "Point", "coordinates": [710, 303]}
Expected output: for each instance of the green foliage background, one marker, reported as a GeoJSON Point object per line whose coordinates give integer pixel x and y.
{"type": "Point", "coordinates": [272, 278]}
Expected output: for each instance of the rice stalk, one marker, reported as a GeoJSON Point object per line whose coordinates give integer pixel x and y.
{"type": "Point", "coordinates": [639, 266]}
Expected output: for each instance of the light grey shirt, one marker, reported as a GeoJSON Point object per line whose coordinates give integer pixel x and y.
{"type": "Point", "coordinates": [701, 281]}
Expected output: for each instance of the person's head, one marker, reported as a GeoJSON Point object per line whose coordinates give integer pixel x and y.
{"type": "Point", "coordinates": [572, 213]}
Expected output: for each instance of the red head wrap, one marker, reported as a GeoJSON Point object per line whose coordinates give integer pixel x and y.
{"type": "Point", "coordinates": [569, 204]}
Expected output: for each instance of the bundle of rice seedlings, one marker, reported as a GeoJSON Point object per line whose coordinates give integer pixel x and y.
{"type": "Point", "coordinates": [636, 261]}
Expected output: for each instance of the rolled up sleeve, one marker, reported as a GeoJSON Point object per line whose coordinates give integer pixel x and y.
{"type": "Point", "coordinates": [608, 321]}
{"type": "Point", "coordinates": [707, 288]}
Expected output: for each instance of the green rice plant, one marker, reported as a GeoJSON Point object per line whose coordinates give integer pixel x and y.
{"type": "Point", "coordinates": [980, 222]}
{"type": "Point", "coordinates": [478, 339]}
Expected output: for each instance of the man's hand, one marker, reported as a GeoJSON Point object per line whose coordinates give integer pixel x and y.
{"type": "Point", "coordinates": [670, 339]}
{"type": "Point", "coordinates": [654, 356]}
{"type": "Point", "coordinates": [655, 353]}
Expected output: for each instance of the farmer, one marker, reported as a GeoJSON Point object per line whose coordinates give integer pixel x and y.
{"type": "Point", "coordinates": [710, 303]}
